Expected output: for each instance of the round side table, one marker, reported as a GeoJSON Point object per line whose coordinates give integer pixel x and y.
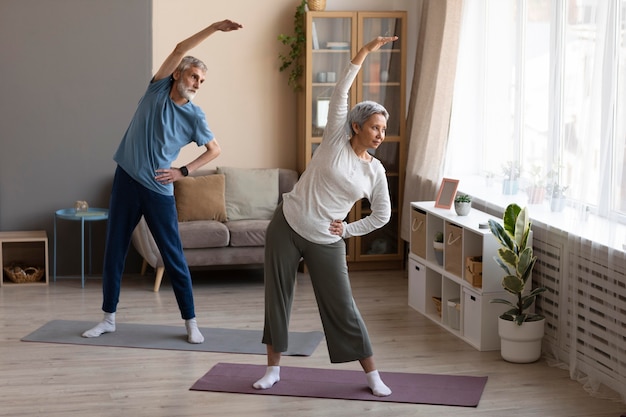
{"type": "Point", "coordinates": [89, 216]}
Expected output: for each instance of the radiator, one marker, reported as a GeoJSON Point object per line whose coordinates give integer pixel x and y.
{"type": "Point", "coordinates": [584, 306]}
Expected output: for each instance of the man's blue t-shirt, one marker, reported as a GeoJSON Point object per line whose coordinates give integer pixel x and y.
{"type": "Point", "coordinates": [157, 132]}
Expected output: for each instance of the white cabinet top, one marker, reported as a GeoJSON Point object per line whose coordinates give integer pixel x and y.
{"type": "Point", "coordinates": [471, 222]}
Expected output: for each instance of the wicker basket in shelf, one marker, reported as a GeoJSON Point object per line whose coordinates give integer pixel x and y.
{"type": "Point", "coordinates": [437, 302]}
{"type": "Point", "coordinates": [317, 5]}
{"type": "Point", "coordinates": [21, 275]}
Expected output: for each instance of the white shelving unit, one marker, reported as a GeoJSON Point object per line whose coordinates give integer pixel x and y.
{"type": "Point", "coordinates": [451, 281]}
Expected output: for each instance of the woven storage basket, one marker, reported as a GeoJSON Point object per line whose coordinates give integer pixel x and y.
{"type": "Point", "coordinates": [317, 5]}
{"type": "Point", "coordinates": [437, 301]}
{"type": "Point", "coordinates": [474, 270]}
{"type": "Point", "coordinates": [21, 275]}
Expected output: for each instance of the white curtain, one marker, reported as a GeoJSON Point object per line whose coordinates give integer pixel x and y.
{"type": "Point", "coordinates": [430, 102]}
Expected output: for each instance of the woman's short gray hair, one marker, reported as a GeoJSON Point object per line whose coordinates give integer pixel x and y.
{"type": "Point", "coordinates": [190, 61]}
{"type": "Point", "coordinates": [363, 111]}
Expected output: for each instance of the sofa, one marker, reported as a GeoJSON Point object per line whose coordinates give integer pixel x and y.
{"type": "Point", "coordinates": [222, 217]}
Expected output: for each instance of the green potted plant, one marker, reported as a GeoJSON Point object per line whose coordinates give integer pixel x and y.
{"type": "Point", "coordinates": [462, 204]}
{"type": "Point", "coordinates": [438, 247]}
{"type": "Point", "coordinates": [536, 190]}
{"type": "Point", "coordinates": [296, 43]}
{"type": "Point", "coordinates": [521, 331]}
{"type": "Point", "coordinates": [556, 191]}
{"type": "Point", "coordinates": [511, 171]}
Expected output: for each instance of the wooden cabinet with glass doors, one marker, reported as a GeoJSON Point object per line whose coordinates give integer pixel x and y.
{"type": "Point", "coordinates": [333, 38]}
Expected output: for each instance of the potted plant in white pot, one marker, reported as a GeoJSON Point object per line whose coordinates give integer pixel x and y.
{"type": "Point", "coordinates": [510, 183]}
{"type": "Point", "coordinates": [557, 196]}
{"type": "Point", "coordinates": [462, 204]}
{"type": "Point", "coordinates": [556, 191]}
{"type": "Point", "coordinates": [438, 247]}
{"type": "Point", "coordinates": [536, 190]}
{"type": "Point", "coordinates": [521, 331]}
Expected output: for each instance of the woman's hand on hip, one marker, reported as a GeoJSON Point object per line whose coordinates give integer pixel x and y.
{"type": "Point", "coordinates": [336, 228]}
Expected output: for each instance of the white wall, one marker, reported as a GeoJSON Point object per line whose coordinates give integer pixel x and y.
{"type": "Point", "coordinates": [249, 105]}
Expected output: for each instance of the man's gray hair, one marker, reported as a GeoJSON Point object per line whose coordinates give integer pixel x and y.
{"type": "Point", "coordinates": [190, 61]}
{"type": "Point", "coordinates": [363, 111]}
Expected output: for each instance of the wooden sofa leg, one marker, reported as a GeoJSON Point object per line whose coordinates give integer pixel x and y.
{"type": "Point", "coordinates": [144, 266]}
{"type": "Point", "coordinates": [159, 276]}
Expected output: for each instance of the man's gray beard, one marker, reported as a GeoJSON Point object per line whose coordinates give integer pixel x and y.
{"type": "Point", "coordinates": [185, 93]}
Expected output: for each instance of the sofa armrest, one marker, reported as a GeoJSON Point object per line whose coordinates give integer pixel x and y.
{"type": "Point", "coordinates": [146, 246]}
{"type": "Point", "coordinates": [287, 178]}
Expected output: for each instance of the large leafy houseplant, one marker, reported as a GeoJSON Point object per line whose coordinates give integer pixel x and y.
{"type": "Point", "coordinates": [516, 258]}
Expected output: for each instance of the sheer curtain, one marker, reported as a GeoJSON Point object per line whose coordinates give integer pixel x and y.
{"type": "Point", "coordinates": [430, 102]}
{"type": "Point", "coordinates": [541, 87]}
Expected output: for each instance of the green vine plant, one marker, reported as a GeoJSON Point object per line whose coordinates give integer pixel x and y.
{"type": "Point", "coordinates": [296, 44]}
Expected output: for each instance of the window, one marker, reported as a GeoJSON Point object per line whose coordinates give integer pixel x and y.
{"type": "Point", "coordinates": [541, 86]}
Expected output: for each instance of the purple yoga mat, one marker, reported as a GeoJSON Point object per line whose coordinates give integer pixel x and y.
{"type": "Point", "coordinates": [452, 390]}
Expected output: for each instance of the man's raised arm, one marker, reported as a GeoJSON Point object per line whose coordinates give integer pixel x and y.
{"type": "Point", "coordinates": [183, 47]}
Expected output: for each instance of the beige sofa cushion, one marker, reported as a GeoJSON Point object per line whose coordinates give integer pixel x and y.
{"type": "Point", "coordinates": [247, 232]}
{"type": "Point", "coordinates": [201, 198]}
{"type": "Point", "coordinates": [251, 194]}
{"type": "Point", "coordinates": [203, 234]}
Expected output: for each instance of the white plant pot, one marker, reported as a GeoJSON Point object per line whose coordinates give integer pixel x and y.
{"type": "Point", "coordinates": [462, 208]}
{"type": "Point", "coordinates": [438, 247]}
{"type": "Point", "coordinates": [521, 344]}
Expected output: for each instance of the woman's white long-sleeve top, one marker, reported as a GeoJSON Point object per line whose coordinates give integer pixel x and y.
{"type": "Point", "coordinates": [336, 179]}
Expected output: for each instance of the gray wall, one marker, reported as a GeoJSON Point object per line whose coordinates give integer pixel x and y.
{"type": "Point", "coordinates": [72, 72]}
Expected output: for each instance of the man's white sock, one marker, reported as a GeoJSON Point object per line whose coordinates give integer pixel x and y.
{"type": "Point", "coordinates": [193, 333]}
{"type": "Point", "coordinates": [107, 325]}
{"type": "Point", "coordinates": [377, 385]}
{"type": "Point", "coordinates": [272, 376]}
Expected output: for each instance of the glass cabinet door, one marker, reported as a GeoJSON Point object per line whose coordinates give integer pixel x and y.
{"type": "Point", "coordinates": [382, 71]}
{"type": "Point", "coordinates": [331, 39]}
{"type": "Point", "coordinates": [382, 80]}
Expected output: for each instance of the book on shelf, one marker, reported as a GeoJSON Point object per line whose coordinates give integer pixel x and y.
{"type": "Point", "coordinates": [316, 43]}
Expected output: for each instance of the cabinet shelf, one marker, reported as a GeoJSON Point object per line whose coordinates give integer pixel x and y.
{"type": "Point", "coordinates": [24, 248]}
{"type": "Point", "coordinates": [450, 280]}
{"type": "Point", "coordinates": [381, 79]}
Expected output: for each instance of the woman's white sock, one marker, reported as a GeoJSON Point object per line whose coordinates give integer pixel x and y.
{"type": "Point", "coordinates": [377, 385]}
{"type": "Point", "coordinates": [272, 376]}
{"type": "Point", "coordinates": [107, 325]}
{"type": "Point", "coordinates": [193, 333]}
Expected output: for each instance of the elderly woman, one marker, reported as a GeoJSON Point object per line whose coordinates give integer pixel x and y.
{"type": "Point", "coordinates": [309, 225]}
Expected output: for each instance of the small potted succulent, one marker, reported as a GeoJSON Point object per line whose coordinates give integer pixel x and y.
{"type": "Point", "coordinates": [556, 191]}
{"type": "Point", "coordinates": [557, 196]}
{"type": "Point", "coordinates": [462, 204]}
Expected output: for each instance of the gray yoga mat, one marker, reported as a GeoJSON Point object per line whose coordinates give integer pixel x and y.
{"type": "Point", "coordinates": [434, 389]}
{"type": "Point", "coordinates": [152, 336]}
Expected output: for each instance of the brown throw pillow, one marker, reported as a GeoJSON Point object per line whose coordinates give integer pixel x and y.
{"type": "Point", "coordinates": [200, 198]}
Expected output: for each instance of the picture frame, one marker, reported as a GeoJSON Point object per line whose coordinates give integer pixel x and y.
{"type": "Point", "coordinates": [447, 191]}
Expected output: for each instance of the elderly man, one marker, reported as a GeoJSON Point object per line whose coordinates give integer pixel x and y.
{"type": "Point", "coordinates": [164, 122]}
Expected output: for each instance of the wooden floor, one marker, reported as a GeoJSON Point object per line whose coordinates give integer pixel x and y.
{"type": "Point", "coordinates": [67, 380]}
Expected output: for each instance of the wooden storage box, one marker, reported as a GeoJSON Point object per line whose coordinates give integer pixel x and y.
{"type": "Point", "coordinates": [418, 233]}
{"type": "Point", "coordinates": [453, 250]}
{"type": "Point", "coordinates": [474, 270]}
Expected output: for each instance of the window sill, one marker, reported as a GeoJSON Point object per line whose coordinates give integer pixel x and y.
{"type": "Point", "coordinates": [572, 221]}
